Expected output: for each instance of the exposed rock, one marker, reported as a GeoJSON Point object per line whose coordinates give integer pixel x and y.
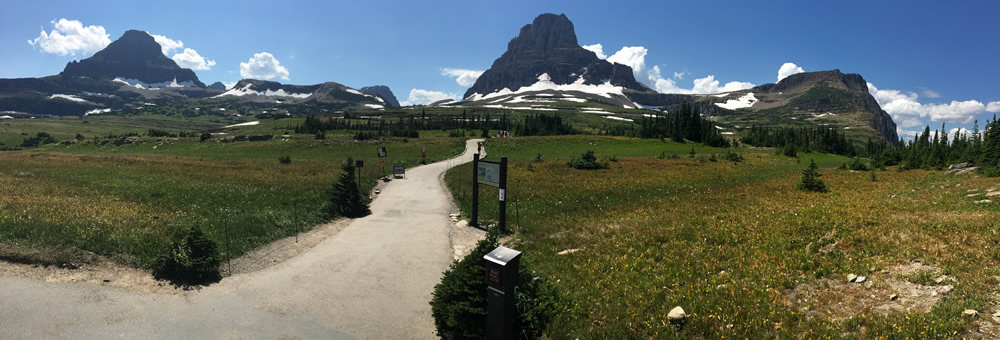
{"type": "Point", "coordinates": [568, 251]}
{"type": "Point", "coordinates": [893, 297]}
{"type": "Point", "coordinates": [133, 56]}
{"type": "Point", "coordinates": [851, 277]}
{"type": "Point", "coordinates": [860, 279]}
{"type": "Point", "coordinates": [970, 312]}
{"type": "Point", "coordinates": [548, 45]}
{"type": "Point", "coordinates": [961, 169]}
{"type": "Point", "coordinates": [983, 201]}
{"type": "Point", "coordinates": [676, 314]}
{"type": "Point", "coordinates": [992, 193]}
{"type": "Point", "coordinates": [217, 86]}
{"type": "Point", "coordinates": [384, 92]}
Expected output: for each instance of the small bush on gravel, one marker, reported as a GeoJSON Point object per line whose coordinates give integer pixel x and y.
{"type": "Point", "coordinates": [190, 259]}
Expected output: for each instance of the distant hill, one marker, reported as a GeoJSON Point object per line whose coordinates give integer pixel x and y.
{"type": "Point", "coordinates": [326, 93]}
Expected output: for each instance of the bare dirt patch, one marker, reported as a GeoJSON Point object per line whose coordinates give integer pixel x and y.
{"type": "Point", "coordinates": [911, 287]}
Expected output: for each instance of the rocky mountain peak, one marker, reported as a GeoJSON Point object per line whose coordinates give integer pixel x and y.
{"type": "Point", "coordinates": [384, 92]}
{"type": "Point", "coordinates": [548, 46]}
{"type": "Point", "coordinates": [136, 55]}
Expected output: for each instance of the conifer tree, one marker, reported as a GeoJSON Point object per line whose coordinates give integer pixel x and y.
{"type": "Point", "coordinates": [345, 197]}
{"type": "Point", "coordinates": [810, 179]}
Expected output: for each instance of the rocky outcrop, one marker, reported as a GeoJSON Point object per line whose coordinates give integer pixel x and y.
{"type": "Point", "coordinates": [548, 45]}
{"type": "Point", "coordinates": [217, 86]}
{"type": "Point", "coordinates": [133, 56]}
{"type": "Point", "coordinates": [384, 92]}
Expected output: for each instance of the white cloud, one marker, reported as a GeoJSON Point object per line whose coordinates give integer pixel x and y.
{"type": "Point", "coordinates": [229, 85]}
{"type": "Point", "coordinates": [964, 131]}
{"type": "Point", "coordinates": [788, 69]}
{"type": "Point", "coordinates": [631, 56]}
{"type": "Point", "coordinates": [167, 44]}
{"type": "Point", "coordinates": [424, 97]}
{"type": "Point", "coordinates": [192, 60]}
{"type": "Point", "coordinates": [70, 36]}
{"type": "Point", "coordinates": [597, 49]}
{"type": "Point", "coordinates": [906, 109]}
{"type": "Point", "coordinates": [263, 65]}
{"type": "Point", "coordinates": [929, 93]}
{"type": "Point", "coordinates": [707, 85]}
{"type": "Point", "coordinates": [462, 77]}
{"type": "Point", "coordinates": [993, 107]}
{"type": "Point", "coordinates": [680, 75]}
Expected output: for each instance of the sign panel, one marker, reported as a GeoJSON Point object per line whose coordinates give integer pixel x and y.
{"type": "Point", "coordinates": [359, 164]}
{"type": "Point", "coordinates": [488, 173]}
{"type": "Point", "coordinates": [398, 170]}
{"type": "Point", "coordinates": [381, 152]}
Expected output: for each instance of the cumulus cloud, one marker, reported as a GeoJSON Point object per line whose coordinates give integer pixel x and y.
{"type": "Point", "coordinates": [905, 108]}
{"type": "Point", "coordinates": [462, 77]}
{"type": "Point", "coordinates": [706, 85]}
{"type": "Point", "coordinates": [192, 60]}
{"type": "Point", "coordinates": [68, 37]}
{"type": "Point", "coordinates": [263, 65]}
{"type": "Point", "coordinates": [168, 45]}
{"type": "Point", "coordinates": [631, 56]}
{"type": "Point", "coordinates": [597, 49]}
{"type": "Point", "coordinates": [788, 69]}
{"type": "Point", "coordinates": [424, 97]}
{"type": "Point", "coordinates": [993, 107]}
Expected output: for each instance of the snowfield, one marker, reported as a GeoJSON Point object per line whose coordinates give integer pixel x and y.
{"type": "Point", "coordinates": [245, 90]}
{"type": "Point", "coordinates": [96, 112]}
{"type": "Point", "coordinates": [545, 83]}
{"type": "Point", "coordinates": [154, 86]}
{"type": "Point", "coordinates": [68, 97]}
{"type": "Point", "coordinates": [744, 101]}
{"type": "Point", "coordinates": [375, 106]}
{"type": "Point", "coordinates": [256, 122]}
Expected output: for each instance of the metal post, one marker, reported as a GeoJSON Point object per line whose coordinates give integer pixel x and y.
{"type": "Point", "coordinates": [503, 194]}
{"type": "Point", "coordinates": [475, 190]}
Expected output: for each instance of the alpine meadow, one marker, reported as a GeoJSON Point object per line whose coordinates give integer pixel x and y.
{"type": "Point", "coordinates": [624, 175]}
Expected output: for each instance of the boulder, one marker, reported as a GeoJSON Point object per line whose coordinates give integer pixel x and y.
{"type": "Point", "coordinates": [676, 314]}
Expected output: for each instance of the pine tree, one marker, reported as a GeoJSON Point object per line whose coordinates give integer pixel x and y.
{"type": "Point", "coordinates": [345, 197]}
{"type": "Point", "coordinates": [810, 179]}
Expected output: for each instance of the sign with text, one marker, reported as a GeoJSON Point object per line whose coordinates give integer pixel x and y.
{"type": "Point", "coordinates": [398, 170]}
{"type": "Point", "coordinates": [381, 152]}
{"type": "Point", "coordinates": [488, 173]}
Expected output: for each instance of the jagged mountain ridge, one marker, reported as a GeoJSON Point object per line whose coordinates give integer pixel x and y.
{"type": "Point", "coordinates": [325, 93]}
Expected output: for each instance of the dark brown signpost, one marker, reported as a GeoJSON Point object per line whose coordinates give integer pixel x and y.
{"type": "Point", "coordinates": [492, 174]}
{"type": "Point", "coordinates": [501, 276]}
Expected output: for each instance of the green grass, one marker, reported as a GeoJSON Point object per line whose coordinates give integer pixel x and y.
{"type": "Point", "coordinates": [726, 241]}
{"type": "Point", "coordinates": [123, 202]}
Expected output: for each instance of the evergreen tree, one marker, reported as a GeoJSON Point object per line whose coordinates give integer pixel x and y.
{"type": "Point", "coordinates": [810, 179]}
{"type": "Point", "coordinates": [344, 196]}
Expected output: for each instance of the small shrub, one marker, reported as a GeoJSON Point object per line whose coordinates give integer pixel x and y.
{"type": "Point", "coordinates": [286, 159]}
{"type": "Point", "coordinates": [190, 259]}
{"type": "Point", "coordinates": [733, 156]}
{"type": "Point", "coordinates": [790, 151]}
{"type": "Point", "coordinates": [321, 135]}
{"type": "Point", "coordinates": [459, 301]}
{"type": "Point", "coordinates": [587, 161]}
{"type": "Point", "coordinates": [810, 179]}
{"type": "Point", "coordinates": [538, 158]}
{"type": "Point", "coordinates": [40, 138]}
{"type": "Point", "coordinates": [614, 158]}
{"type": "Point", "coordinates": [857, 165]}
{"type": "Point", "coordinates": [205, 136]}
{"type": "Point", "coordinates": [712, 158]}
{"type": "Point", "coordinates": [692, 153]}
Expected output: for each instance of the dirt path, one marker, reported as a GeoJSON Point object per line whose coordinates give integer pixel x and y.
{"type": "Point", "coordinates": [371, 279]}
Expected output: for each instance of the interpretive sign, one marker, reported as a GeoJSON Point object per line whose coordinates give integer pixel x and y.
{"type": "Point", "coordinates": [381, 152]}
{"type": "Point", "coordinates": [488, 173]}
{"type": "Point", "coordinates": [398, 170]}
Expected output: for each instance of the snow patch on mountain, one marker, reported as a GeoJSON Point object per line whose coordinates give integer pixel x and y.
{"type": "Point", "coordinates": [545, 83]}
{"type": "Point", "coordinates": [245, 90]}
{"type": "Point", "coordinates": [743, 101]}
{"type": "Point", "coordinates": [139, 84]}
{"type": "Point", "coordinates": [68, 97]}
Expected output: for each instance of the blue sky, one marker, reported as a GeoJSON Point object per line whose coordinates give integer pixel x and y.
{"type": "Point", "coordinates": [929, 61]}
